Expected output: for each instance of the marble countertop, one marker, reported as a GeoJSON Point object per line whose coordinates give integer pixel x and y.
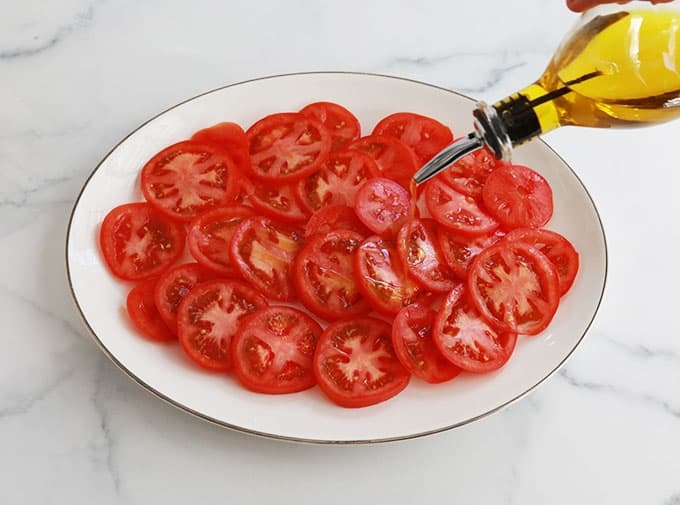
{"type": "Point", "coordinates": [77, 75]}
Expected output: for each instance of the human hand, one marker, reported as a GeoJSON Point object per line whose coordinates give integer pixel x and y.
{"type": "Point", "coordinates": [582, 5]}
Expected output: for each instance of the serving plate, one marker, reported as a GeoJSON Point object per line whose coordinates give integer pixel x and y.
{"type": "Point", "coordinates": [419, 410]}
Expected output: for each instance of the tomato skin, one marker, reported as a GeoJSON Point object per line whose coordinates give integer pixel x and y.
{"type": "Point", "coordinates": [143, 313]}
{"type": "Point", "coordinates": [210, 235]}
{"type": "Point", "coordinates": [345, 344]}
{"type": "Point", "coordinates": [132, 225]}
{"type": "Point", "coordinates": [413, 345]}
{"type": "Point", "coordinates": [188, 178]}
{"type": "Point", "coordinates": [518, 197]}
{"type": "Point", "coordinates": [230, 139]}
{"type": "Point", "coordinates": [271, 331]}
{"type": "Point", "coordinates": [173, 285]}
{"type": "Point", "coordinates": [277, 201]}
{"type": "Point", "coordinates": [458, 252]}
{"type": "Point", "coordinates": [324, 277]}
{"type": "Point", "coordinates": [335, 217]}
{"type": "Point", "coordinates": [424, 135]}
{"type": "Point", "coordinates": [468, 175]}
{"type": "Point", "coordinates": [214, 306]}
{"type": "Point", "coordinates": [514, 287]}
{"type": "Point", "coordinates": [287, 146]}
{"type": "Point", "coordinates": [395, 160]}
{"type": "Point", "coordinates": [343, 126]}
{"type": "Point", "coordinates": [383, 206]}
{"type": "Point", "coordinates": [457, 323]}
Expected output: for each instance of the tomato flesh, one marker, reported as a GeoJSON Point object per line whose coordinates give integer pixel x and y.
{"type": "Point", "coordinates": [277, 201]}
{"type": "Point", "coordinates": [343, 126]}
{"type": "Point", "coordinates": [394, 159]}
{"type": "Point", "coordinates": [143, 313]}
{"type": "Point", "coordinates": [173, 285]}
{"type": "Point", "coordinates": [459, 251]}
{"type": "Point", "coordinates": [424, 135]}
{"type": "Point", "coordinates": [383, 206]}
{"type": "Point", "coordinates": [334, 217]}
{"type": "Point", "coordinates": [468, 175]}
{"type": "Point", "coordinates": [229, 138]}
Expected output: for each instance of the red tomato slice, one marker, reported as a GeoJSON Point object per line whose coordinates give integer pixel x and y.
{"type": "Point", "coordinates": [419, 251]}
{"type": "Point", "coordinates": [337, 182]}
{"type": "Point", "coordinates": [556, 248]}
{"type": "Point", "coordinates": [138, 242]}
{"type": "Point", "coordinates": [383, 206]}
{"type": "Point", "coordinates": [381, 276]}
{"type": "Point", "coordinates": [468, 175]}
{"type": "Point", "coordinates": [188, 178]}
{"type": "Point", "coordinates": [342, 124]}
{"type": "Point", "coordinates": [457, 211]}
{"type": "Point", "coordinates": [263, 252]}
{"type": "Point", "coordinates": [514, 287]}
{"type": "Point", "coordinates": [277, 201]}
{"type": "Point", "coordinates": [209, 316]}
{"type": "Point", "coordinates": [355, 364]}
{"type": "Point", "coordinates": [273, 350]}
{"type": "Point", "coordinates": [518, 197]}
{"type": "Point", "coordinates": [426, 136]}
{"type": "Point", "coordinates": [172, 287]}
{"type": "Point", "coordinates": [413, 345]}
{"type": "Point", "coordinates": [334, 217]}
{"type": "Point", "coordinates": [466, 340]}
{"type": "Point", "coordinates": [143, 312]}
{"type": "Point", "coordinates": [210, 235]}
{"type": "Point", "coordinates": [395, 160]}
{"type": "Point", "coordinates": [324, 276]}
{"type": "Point", "coordinates": [459, 252]}
{"type": "Point", "coordinates": [286, 147]}
{"type": "Point", "coordinates": [229, 138]}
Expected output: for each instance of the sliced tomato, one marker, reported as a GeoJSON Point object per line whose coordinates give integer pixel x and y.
{"type": "Point", "coordinates": [457, 211]}
{"type": "Point", "coordinates": [381, 276]}
{"type": "Point", "coordinates": [143, 313]}
{"type": "Point", "coordinates": [172, 287]}
{"type": "Point", "coordinates": [188, 178]}
{"type": "Point", "coordinates": [514, 287]}
{"type": "Point", "coordinates": [138, 242]}
{"type": "Point", "coordinates": [383, 206]}
{"type": "Point", "coordinates": [337, 181]}
{"type": "Point", "coordinates": [210, 235]}
{"type": "Point", "coordinates": [395, 160]}
{"type": "Point", "coordinates": [273, 350]}
{"type": "Point", "coordinates": [420, 253]}
{"type": "Point", "coordinates": [230, 139]}
{"type": "Point", "coordinates": [277, 201]}
{"type": "Point", "coordinates": [413, 345]}
{"type": "Point", "coordinates": [468, 175]}
{"type": "Point", "coordinates": [287, 147]}
{"type": "Point", "coordinates": [324, 276]}
{"type": "Point", "coordinates": [263, 252]}
{"type": "Point", "coordinates": [334, 217]}
{"type": "Point", "coordinates": [518, 197]}
{"type": "Point", "coordinates": [355, 364]}
{"type": "Point", "coordinates": [556, 248]}
{"type": "Point", "coordinates": [466, 340]}
{"type": "Point", "coordinates": [210, 315]}
{"type": "Point", "coordinates": [424, 135]}
{"type": "Point", "coordinates": [343, 126]}
{"type": "Point", "coordinates": [459, 251]}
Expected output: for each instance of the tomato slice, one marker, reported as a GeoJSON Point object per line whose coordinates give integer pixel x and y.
{"type": "Point", "coordinates": [343, 126]}
{"type": "Point", "coordinates": [381, 276]}
{"type": "Point", "coordinates": [210, 315]}
{"type": "Point", "coordinates": [324, 276]}
{"type": "Point", "coordinates": [556, 248]}
{"type": "Point", "coordinates": [337, 181]}
{"type": "Point", "coordinates": [263, 251]}
{"type": "Point", "coordinates": [518, 197]}
{"type": "Point", "coordinates": [230, 139]}
{"type": "Point", "coordinates": [459, 251]}
{"type": "Point", "coordinates": [514, 287]}
{"type": "Point", "coordinates": [413, 345]}
{"type": "Point", "coordinates": [426, 136]}
{"type": "Point", "coordinates": [143, 313]}
{"type": "Point", "coordinates": [457, 211]}
{"type": "Point", "coordinates": [286, 147]}
{"type": "Point", "coordinates": [383, 206]}
{"type": "Point", "coordinates": [468, 175]}
{"type": "Point", "coordinates": [210, 235]}
{"type": "Point", "coordinates": [420, 253]}
{"type": "Point", "coordinates": [137, 242]}
{"type": "Point", "coordinates": [334, 217]}
{"type": "Point", "coordinates": [172, 287]}
{"type": "Point", "coordinates": [466, 340]}
{"type": "Point", "coordinates": [188, 178]}
{"type": "Point", "coordinates": [277, 201]}
{"type": "Point", "coordinates": [273, 350]}
{"type": "Point", "coordinates": [355, 364]}
{"type": "Point", "coordinates": [395, 160]}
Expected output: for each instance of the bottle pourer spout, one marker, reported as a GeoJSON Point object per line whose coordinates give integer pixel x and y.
{"type": "Point", "coordinates": [449, 155]}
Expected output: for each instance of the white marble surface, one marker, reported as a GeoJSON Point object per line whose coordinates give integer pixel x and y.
{"type": "Point", "coordinates": [77, 75]}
